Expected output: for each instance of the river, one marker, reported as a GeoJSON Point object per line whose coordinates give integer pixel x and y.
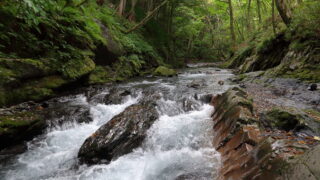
{"type": "Point", "coordinates": [177, 146]}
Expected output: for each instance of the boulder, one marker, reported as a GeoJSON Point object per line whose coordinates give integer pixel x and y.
{"type": "Point", "coordinates": [305, 166]}
{"type": "Point", "coordinates": [20, 123]}
{"type": "Point", "coordinates": [116, 95]}
{"type": "Point", "coordinates": [120, 135]}
{"type": "Point", "coordinates": [279, 119]}
{"type": "Point", "coordinates": [164, 71]}
{"type": "Point", "coordinates": [313, 87]}
{"type": "Point", "coordinates": [289, 121]}
{"type": "Point", "coordinates": [196, 83]}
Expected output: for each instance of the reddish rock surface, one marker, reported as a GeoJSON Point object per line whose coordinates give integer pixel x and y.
{"type": "Point", "coordinates": [247, 151]}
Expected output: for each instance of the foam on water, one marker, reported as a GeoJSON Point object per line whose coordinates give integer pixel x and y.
{"type": "Point", "coordinates": [175, 145]}
{"type": "Point", "coordinates": [178, 143]}
{"type": "Point", "coordinates": [57, 151]}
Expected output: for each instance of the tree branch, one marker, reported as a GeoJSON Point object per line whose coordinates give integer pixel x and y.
{"type": "Point", "coordinates": [147, 18]}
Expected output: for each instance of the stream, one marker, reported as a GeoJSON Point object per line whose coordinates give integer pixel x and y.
{"type": "Point", "coordinates": [177, 146]}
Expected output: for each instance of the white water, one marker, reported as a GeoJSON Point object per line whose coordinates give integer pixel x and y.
{"type": "Point", "coordinates": [178, 143]}
{"type": "Point", "coordinates": [57, 152]}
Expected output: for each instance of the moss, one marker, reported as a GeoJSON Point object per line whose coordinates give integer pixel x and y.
{"type": "Point", "coordinates": [282, 119]}
{"type": "Point", "coordinates": [50, 82]}
{"type": "Point", "coordinates": [164, 71]}
{"type": "Point", "coordinates": [77, 68]}
{"type": "Point", "coordinates": [100, 75]}
{"type": "Point", "coordinates": [313, 113]}
{"type": "Point", "coordinates": [305, 74]}
{"type": "Point", "coordinates": [240, 57]}
{"type": "Point", "coordinates": [11, 70]}
{"type": "Point", "coordinates": [32, 90]}
{"type": "Point", "coordinates": [10, 123]}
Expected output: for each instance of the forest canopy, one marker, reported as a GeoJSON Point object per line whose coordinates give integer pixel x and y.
{"type": "Point", "coordinates": [199, 29]}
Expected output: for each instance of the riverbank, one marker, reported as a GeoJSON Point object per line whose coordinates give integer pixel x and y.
{"type": "Point", "coordinates": [267, 145]}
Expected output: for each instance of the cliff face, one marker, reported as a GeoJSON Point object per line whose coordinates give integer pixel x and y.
{"type": "Point", "coordinates": [249, 151]}
{"type": "Point", "coordinates": [288, 54]}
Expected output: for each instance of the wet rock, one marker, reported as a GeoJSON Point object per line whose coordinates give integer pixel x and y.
{"type": "Point", "coordinates": [313, 87]}
{"type": "Point", "coordinates": [206, 98]}
{"type": "Point", "coordinates": [120, 135]}
{"type": "Point", "coordinates": [221, 83]}
{"type": "Point", "coordinates": [58, 113]}
{"type": "Point", "coordinates": [242, 85]}
{"type": "Point", "coordinates": [20, 123]}
{"type": "Point", "coordinates": [116, 96]}
{"type": "Point", "coordinates": [193, 176]}
{"type": "Point", "coordinates": [196, 84]}
{"type": "Point", "coordinates": [7, 153]}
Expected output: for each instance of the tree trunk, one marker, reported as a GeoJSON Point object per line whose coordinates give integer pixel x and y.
{"type": "Point", "coordinates": [122, 7]}
{"type": "Point", "coordinates": [284, 10]}
{"type": "Point", "coordinates": [132, 14]}
{"type": "Point", "coordinates": [249, 16]}
{"type": "Point", "coordinates": [233, 35]}
{"type": "Point", "coordinates": [259, 11]}
{"type": "Point", "coordinates": [273, 18]}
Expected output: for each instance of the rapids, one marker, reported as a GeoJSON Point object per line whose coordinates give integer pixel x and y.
{"type": "Point", "coordinates": [178, 144]}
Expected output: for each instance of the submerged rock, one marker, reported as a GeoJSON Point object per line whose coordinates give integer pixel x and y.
{"type": "Point", "coordinates": [120, 135]}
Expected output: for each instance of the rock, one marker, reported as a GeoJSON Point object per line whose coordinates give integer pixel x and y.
{"type": "Point", "coordinates": [164, 71]}
{"type": "Point", "coordinates": [245, 152]}
{"type": "Point", "coordinates": [19, 125]}
{"type": "Point", "coordinates": [284, 120]}
{"type": "Point", "coordinates": [206, 98]}
{"type": "Point", "coordinates": [279, 92]}
{"type": "Point", "coordinates": [7, 153]}
{"type": "Point", "coordinates": [313, 87]}
{"type": "Point", "coordinates": [221, 83]}
{"type": "Point", "coordinates": [58, 113]}
{"type": "Point", "coordinates": [305, 166]}
{"type": "Point", "coordinates": [116, 96]}
{"type": "Point", "coordinates": [120, 135]}
{"type": "Point", "coordinates": [196, 84]}
{"type": "Point", "coordinates": [279, 119]}
{"type": "Point", "coordinates": [242, 85]}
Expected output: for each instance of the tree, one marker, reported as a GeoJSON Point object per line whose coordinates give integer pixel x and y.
{"type": "Point", "coordinates": [284, 10]}
{"type": "Point", "coordinates": [233, 35]}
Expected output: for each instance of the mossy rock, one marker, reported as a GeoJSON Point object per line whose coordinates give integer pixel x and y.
{"type": "Point", "coordinates": [19, 126]}
{"type": "Point", "coordinates": [280, 119]}
{"type": "Point", "coordinates": [290, 120]}
{"type": "Point", "coordinates": [77, 68]}
{"type": "Point", "coordinates": [100, 75]}
{"type": "Point", "coordinates": [164, 71]}
{"type": "Point", "coordinates": [12, 70]}
{"type": "Point", "coordinates": [35, 90]}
